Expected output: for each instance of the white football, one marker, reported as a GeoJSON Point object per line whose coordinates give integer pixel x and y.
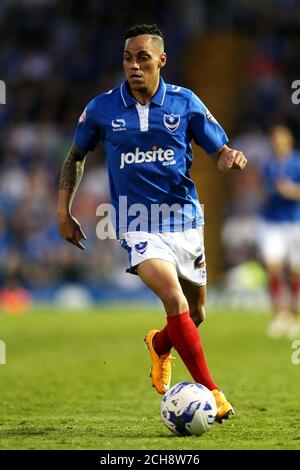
{"type": "Point", "coordinates": [188, 409]}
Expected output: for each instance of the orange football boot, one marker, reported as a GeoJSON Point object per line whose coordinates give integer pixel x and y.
{"type": "Point", "coordinates": [161, 367]}
{"type": "Point", "coordinates": [224, 408]}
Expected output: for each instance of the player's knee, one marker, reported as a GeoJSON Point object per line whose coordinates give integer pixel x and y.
{"type": "Point", "coordinates": [174, 301]}
{"type": "Point", "coordinates": [197, 314]}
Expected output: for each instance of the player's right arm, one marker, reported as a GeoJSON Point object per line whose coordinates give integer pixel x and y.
{"type": "Point", "coordinates": [87, 135]}
{"type": "Point", "coordinates": [70, 178]}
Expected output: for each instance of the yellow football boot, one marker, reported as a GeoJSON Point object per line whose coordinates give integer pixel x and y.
{"type": "Point", "coordinates": [161, 366]}
{"type": "Point", "coordinates": [223, 406]}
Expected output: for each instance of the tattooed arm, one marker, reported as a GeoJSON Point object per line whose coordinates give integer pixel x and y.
{"type": "Point", "coordinates": [70, 178]}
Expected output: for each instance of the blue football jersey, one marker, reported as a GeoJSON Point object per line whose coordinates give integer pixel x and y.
{"type": "Point", "coordinates": [149, 154]}
{"type": "Point", "coordinates": [276, 207]}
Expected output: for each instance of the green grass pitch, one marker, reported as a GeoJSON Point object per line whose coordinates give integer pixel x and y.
{"type": "Point", "coordinates": [81, 381]}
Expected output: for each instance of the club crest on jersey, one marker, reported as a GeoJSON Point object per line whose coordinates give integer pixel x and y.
{"type": "Point", "coordinates": [141, 247]}
{"type": "Point", "coordinates": [171, 121]}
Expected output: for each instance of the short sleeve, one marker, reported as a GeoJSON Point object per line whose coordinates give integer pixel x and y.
{"type": "Point", "coordinates": [205, 129]}
{"type": "Point", "coordinates": [88, 132]}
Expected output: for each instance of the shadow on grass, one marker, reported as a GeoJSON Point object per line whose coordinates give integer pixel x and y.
{"type": "Point", "coordinates": [79, 432]}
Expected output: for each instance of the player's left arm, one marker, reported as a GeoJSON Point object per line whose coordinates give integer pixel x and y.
{"type": "Point", "coordinates": [288, 189]}
{"type": "Point", "coordinates": [228, 159]}
{"type": "Point", "coordinates": [209, 135]}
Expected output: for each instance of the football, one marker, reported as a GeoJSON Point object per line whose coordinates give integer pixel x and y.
{"type": "Point", "coordinates": [188, 409]}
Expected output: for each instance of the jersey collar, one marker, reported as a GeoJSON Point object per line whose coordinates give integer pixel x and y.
{"type": "Point", "coordinates": [157, 99]}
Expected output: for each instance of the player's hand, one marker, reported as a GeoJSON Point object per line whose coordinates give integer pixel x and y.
{"type": "Point", "coordinates": [230, 159]}
{"type": "Point", "coordinates": [70, 230]}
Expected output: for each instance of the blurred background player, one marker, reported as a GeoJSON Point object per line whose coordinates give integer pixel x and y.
{"type": "Point", "coordinates": [169, 256]}
{"type": "Point", "coordinates": [279, 239]}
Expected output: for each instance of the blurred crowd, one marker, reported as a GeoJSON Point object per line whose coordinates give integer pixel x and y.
{"type": "Point", "coordinates": [271, 68]}
{"type": "Point", "coordinates": [55, 55]}
{"type": "Point", "coordinates": [265, 105]}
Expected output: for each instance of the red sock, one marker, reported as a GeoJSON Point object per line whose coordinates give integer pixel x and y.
{"type": "Point", "coordinates": [161, 342]}
{"type": "Point", "coordinates": [294, 288]}
{"type": "Point", "coordinates": [276, 287]}
{"type": "Point", "coordinates": [186, 340]}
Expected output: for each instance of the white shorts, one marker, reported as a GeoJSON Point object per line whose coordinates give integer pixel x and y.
{"type": "Point", "coordinates": [280, 244]}
{"type": "Point", "coordinates": [184, 249]}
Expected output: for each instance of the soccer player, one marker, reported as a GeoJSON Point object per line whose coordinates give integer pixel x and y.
{"type": "Point", "coordinates": [279, 239]}
{"type": "Point", "coordinates": [147, 127]}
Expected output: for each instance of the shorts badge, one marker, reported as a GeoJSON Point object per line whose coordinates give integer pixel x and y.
{"type": "Point", "coordinates": [141, 247]}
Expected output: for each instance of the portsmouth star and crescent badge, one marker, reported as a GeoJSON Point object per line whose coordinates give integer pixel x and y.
{"type": "Point", "coordinates": [171, 121]}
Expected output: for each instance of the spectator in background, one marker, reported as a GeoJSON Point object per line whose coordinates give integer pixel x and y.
{"type": "Point", "coordinates": [54, 56]}
{"type": "Point", "coordinates": [279, 239]}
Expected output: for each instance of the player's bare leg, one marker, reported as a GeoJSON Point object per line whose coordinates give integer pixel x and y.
{"type": "Point", "coordinates": [294, 280]}
{"type": "Point", "coordinates": [196, 296]}
{"type": "Point", "coordinates": [276, 288]}
{"type": "Point", "coordinates": [280, 309]}
{"type": "Point", "coordinates": [161, 277]}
